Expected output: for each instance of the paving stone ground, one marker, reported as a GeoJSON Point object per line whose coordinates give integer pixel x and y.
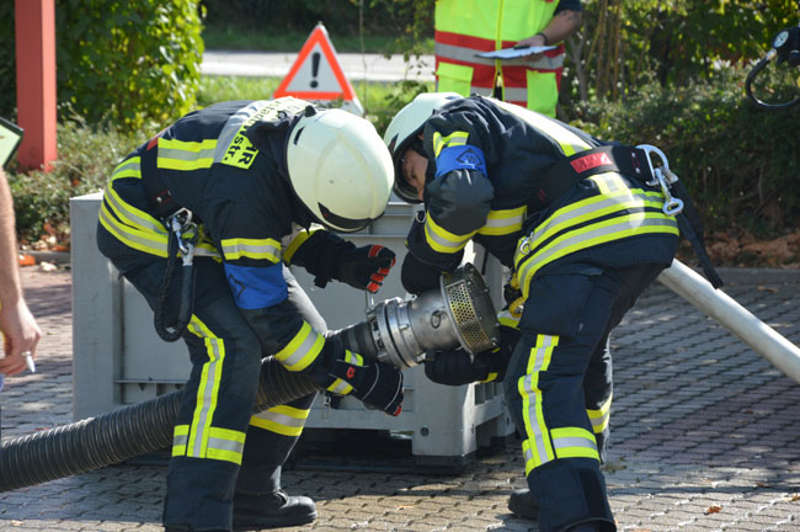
{"type": "Point", "coordinates": [705, 436]}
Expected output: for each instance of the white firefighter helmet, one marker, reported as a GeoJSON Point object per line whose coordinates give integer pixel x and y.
{"type": "Point", "coordinates": [403, 129]}
{"type": "Point", "coordinates": [339, 168]}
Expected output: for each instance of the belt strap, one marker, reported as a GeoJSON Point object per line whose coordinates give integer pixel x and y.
{"type": "Point", "coordinates": [561, 176]}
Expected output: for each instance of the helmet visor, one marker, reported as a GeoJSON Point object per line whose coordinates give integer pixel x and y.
{"type": "Point", "coordinates": [340, 223]}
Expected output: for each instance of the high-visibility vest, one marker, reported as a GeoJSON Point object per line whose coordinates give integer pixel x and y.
{"type": "Point", "coordinates": [465, 28]}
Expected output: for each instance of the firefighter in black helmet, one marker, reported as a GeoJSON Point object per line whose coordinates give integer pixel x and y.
{"type": "Point", "coordinates": [244, 189]}
{"type": "Point", "coordinates": [583, 234]}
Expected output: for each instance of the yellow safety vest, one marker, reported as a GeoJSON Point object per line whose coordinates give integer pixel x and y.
{"type": "Point", "coordinates": [467, 27]}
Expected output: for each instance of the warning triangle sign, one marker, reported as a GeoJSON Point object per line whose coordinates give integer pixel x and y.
{"type": "Point", "coordinates": [317, 75]}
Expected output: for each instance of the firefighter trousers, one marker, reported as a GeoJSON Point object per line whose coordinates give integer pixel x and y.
{"type": "Point", "coordinates": [210, 459]}
{"type": "Point", "coordinates": [559, 387]}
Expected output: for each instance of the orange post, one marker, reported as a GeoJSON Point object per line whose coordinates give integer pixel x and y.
{"type": "Point", "coordinates": [35, 29]}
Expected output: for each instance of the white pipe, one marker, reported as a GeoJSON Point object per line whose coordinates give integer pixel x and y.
{"type": "Point", "coordinates": [764, 340]}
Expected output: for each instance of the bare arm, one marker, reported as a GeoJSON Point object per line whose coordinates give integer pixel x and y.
{"type": "Point", "coordinates": [19, 328]}
{"type": "Point", "coordinates": [563, 24]}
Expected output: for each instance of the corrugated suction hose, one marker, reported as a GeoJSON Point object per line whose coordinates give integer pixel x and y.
{"type": "Point", "coordinates": [396, 332]}
{"type": "Point", "coordinates": [127, 432]}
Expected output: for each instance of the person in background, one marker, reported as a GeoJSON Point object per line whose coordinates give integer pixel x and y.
{"type": "Point", "coordinates": [244, 189]}
{"type": "Point", "coordinates": [464, 28]}
{"type": "Point", "coordinates": [20, 331]}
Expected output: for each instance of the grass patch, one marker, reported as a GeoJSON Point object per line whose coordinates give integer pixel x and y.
{"type": "Point", "coordinates": [287, 40]}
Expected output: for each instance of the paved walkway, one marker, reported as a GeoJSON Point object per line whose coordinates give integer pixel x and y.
{"type": "Point", "coordinates": [356, 67]}
{"type": "Point", "coordinates": [705, 436]}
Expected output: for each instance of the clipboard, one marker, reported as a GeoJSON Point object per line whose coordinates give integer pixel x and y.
{"type": "Point", "coordinates": [10, 137]}
{"type": "Point", "coordinates": [514, 53]}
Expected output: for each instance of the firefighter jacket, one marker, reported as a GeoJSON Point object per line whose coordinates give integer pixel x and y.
{"type": "Point", "coordinates": [487, 160]}
{"type": "Point", "coordinates": [464, 28]}
{"type": "Point", "coordinates": [249, 217]}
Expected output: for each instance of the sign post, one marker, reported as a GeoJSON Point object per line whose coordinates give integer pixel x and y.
{"type": "Point", "coordinates": [35, 30]}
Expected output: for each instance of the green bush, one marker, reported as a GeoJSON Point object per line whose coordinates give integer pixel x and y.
{"type": "Point", "coordinates": [127, 62]}
{"type": "Point", "coordinates": [86, 158]}
{"type": "Point", "coordinates": [130, 62]}
{"type": "Point", "coordinates": [739, 162]}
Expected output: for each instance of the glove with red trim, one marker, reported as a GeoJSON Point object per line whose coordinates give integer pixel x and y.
{"type": "Point", "coordinates": [377, 384]}
{"type": "Point", "coordinates": [365, 267]}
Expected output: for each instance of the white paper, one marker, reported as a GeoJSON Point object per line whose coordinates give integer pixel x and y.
{"type": "Point", "coordinates": [513, 53]}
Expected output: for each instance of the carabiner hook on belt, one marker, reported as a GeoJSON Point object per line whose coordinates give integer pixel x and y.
{"type": "Point", "coordinates": [663, 177]}
{"type": "Point", "coordinates": [186, 233]}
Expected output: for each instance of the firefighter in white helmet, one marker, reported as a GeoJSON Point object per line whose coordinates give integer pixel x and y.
{"type": "Point", "coordinates": [584, 227]}
{"type": "Point", "coordinates": [244, 189]}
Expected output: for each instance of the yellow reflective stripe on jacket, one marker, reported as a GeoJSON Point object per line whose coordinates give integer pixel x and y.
{"type": "Point", "coordinates": [504, 221]}
{"type": "Point", "coordinates": [183, 155]}
{"type": "Point", "coordinates": [342, 387]}
{"type": "Point", "coordinates": [617, 228]}
{"type": "Point", "coordinates": [225, 444]}
{"type": "Point", "coordinates": [130, 167]}
{"type": "Point", "coordinates": [536, 430]}
{"type": "Point", "coordinates": [301, 350]}
{"type": "Point", "coordinates": [442, 240]}
{"type": "Point", "coordinates": [251, 248]}
{"type": "Point", "coordinates": [571, 239]}
{"type": "Point", "coordinates": [590, 208]}
{"type": "Point", "coordinates": [283, 419]}
{"type": "Point", "coordinates": [180, 435]}
{"type": "Point", "coordinates": [207, 390]}
{"type": "Point", "coordinates": [138, 230]}
{"type": "Point", "coordinates": [599, 418]}
{"type": "Point", "coordinates": [569, 142]}
{"type": "Point", "coordinates": [295, 243]}
{"type": "Point", "coordinates": [574, 442]}
{"type": "Point", "coordinates": [145, 241]}
{"type": "Point", "coordinates": [456, 138]}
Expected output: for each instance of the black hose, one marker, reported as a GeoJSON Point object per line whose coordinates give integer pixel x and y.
{"type": "Point", "coordinates": [748, 89]}
{"type": "Point", "coordinates": [110, 438]}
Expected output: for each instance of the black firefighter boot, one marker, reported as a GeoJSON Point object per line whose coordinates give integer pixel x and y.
{"type": "Point", "coordinates": [522, 503]}
{"type": "Point", "coordinates": [271, 508]}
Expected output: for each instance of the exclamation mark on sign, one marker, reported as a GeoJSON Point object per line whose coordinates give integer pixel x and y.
{"type": "Point", "coordinates": [314, 69]}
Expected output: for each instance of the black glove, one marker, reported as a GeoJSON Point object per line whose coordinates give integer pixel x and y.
{"type": "Point", "coordinates": [364, 267]}
{"type": "Point", "coordinates": [455, 367]}
{"type": "Point", "coordinates": [377, 384]}
{"type": "Point", "coordinates": [417, 276]}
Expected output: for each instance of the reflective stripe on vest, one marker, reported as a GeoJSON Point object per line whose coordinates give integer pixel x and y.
{"type": "Point", "coordinates": [465, 27]}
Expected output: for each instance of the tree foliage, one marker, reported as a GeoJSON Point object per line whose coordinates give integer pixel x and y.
{"type": "Point", "coordinates": [129, 62]}
{"type": "Point", "coordinates": [626, 44]}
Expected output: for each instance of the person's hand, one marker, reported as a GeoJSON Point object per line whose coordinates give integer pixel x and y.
{"type": "Point", "coordinates": [21, 334]}
{"type": "Point", "coordinates": [378, 385]}
{"type": "Point", "coordinates": [456, 367]}
{"type": "Point", "coordinates": [365, 267]}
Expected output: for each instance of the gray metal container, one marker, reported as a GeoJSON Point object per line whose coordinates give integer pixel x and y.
{"type": "Point", "coordinates": [119, 360]}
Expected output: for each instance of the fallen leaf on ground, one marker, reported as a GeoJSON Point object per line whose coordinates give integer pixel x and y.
{"type": "Point", "coordinates": [714, 509]}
